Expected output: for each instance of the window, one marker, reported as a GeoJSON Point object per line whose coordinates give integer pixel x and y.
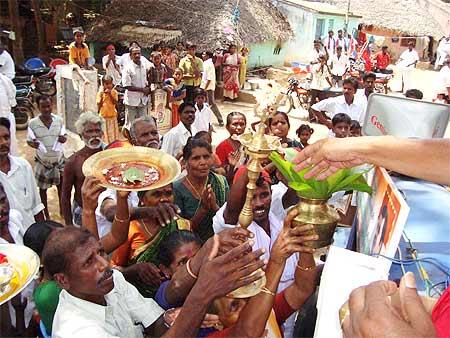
{"type": "Point", "coordinates": [320, 28]}
{"type": "Point", "coordinates": [330, 24]}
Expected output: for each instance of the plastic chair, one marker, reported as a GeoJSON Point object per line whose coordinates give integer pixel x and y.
{"type": "Point", "coordinates": [34, 63]}
{"type": "Point", "coordinates": [56, 62]}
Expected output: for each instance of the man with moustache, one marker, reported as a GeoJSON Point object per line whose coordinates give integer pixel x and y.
{"type": "Point", "coordinates": [176, 138]}
{"type": "Point", "coordinates": [90, 128]}
{"type": "Point", "coordinates": [96, 301]}
{"type": "Point", "coordinates": [17, 178]}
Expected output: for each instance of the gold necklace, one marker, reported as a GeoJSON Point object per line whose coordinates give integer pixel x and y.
{"type": "Point", "coordinates": [199, 195]}
{"type": "Point", "coordinates": [144, 225]}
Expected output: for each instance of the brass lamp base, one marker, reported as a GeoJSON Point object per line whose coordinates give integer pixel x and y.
{"type": "Point", "coordinates": [249, 290]}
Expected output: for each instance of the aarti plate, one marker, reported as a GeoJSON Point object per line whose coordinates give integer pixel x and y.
{"type": "Point", "coordinates": [25, 264]}
{"type": "Point", "coordinates": [168, 167]}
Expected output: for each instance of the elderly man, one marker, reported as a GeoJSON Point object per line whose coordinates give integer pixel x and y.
{"type": "Point", "coordinates": [347, 103]}
{"type": "Point", "coordinates": [17, 178]}
{"type": "Point", "coordinates": [7, 101]}
{"type": "Point", "coordinates": [134, 80]}
{"type": "Point", "coordinates": [90, 128]}
{"type": "Point", "coordinates": [96, 301]}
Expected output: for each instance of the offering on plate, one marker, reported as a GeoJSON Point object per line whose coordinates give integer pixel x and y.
{"type": "Point", "coordinates": [131, 175]}
{"type": "Point", "coordinates": [6, 273]}
{"type": "Point", "coordinates": [132, 168]}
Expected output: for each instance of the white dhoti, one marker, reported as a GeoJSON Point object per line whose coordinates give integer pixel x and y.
{"type": "Point", "coordinates": [407, 74]}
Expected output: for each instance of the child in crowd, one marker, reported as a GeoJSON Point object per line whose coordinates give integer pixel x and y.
{"type": "Point", "coordinates": [107, 99]}
{"type": "Point", "coordinates": [202, 112]}
{"type": "Point", "coordinates": [279, 126]}
{"type": "Point", "coordinates": [341, 125]}
{"type": "Point", "coordinates": [304, 133]}
{"type": "Point", "coordinates": [177, 93]}
{"type": "Point", "coordinates": [355, 129]}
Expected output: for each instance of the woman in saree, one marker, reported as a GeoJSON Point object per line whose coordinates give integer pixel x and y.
{"type": "Point", "coordinates": [138, 256]}
{"type": "Point", "coordinates": [201, 192]}
{"type": "Point", "coordinates": [243, 66]}
{"type": "Point", "coordinates": [231, 64]}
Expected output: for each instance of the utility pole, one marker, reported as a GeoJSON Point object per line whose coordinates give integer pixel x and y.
{"type": "Point", "coordinates": [14, 21]}
{"type": "Point", "coordinates": [347, 16]}
{"type": "Point", "coordinates": [35, 4]}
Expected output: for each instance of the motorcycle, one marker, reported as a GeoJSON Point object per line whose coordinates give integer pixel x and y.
{"type": "Point", "coordinates": [24, 110]}
{"type": "Point", "coordinates": [297, 94]}
{"type": "Point", "coordinates": [42, 77]}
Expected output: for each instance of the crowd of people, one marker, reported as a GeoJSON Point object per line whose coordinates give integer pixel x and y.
{"type": "Point", "coordinates": [163, 262]}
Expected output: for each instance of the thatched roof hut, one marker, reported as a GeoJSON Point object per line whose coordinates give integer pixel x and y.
{"type": "Point", "coordinates": [398, 17]}
{"type": "Point", "coordinates": [207, 23]}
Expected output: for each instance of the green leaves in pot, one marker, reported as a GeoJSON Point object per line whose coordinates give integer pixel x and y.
{"type": "Point", "coordinates": [342, 180]}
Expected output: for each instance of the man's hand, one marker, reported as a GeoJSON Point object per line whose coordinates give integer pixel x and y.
{"type": "Point", "coordinates": [62, 138]}
{"type": "Point", "coordinates": [146, 273]}
{"type": "Point", "coordinates": [371, 312]}
{"type": "Point", "coordinates": [223, 274]}
{"type": "Point", "coordinates": [232, 238]}
{"type": "Point", "coordinates": [328, 156]}
{"type": "Point", "coordinates": [90, 190]}
{"type": "Point", "coordinates": [146, 90]}
{"type": "Point", "coordinates": [290, 240]}
{"type": "Point", "coordinates": [163, 214]}
{"type": "Point", "coordinates": [33, 143]}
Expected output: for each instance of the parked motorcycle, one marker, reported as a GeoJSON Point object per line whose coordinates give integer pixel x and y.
{"type": "Point", "coordinates": [42, 76]}
{"type": "Point", "coordinates": [24, 110]}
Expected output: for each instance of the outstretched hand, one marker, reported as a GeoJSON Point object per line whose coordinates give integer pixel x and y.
{"type": "Point", "coordinates": [328, 156]}
{"type": "Point", "coordinates": [372, 311]}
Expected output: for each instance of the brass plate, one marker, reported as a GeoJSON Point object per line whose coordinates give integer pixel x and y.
{"type": "Point", "coordinates": [25, 263]}
{"type": "Point", "coordinates": [168, 167]}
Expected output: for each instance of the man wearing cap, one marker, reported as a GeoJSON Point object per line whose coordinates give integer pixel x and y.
{"type": "Point", "coordinates": [407, 63]}
{"type": "Point", "coordinates": [134, 80]}
{"type": "Point", "coordinates": [78, 50]}
{"type": "Point", "coordinates": [382, 60]}
{"type": "Point", "coordinates": [192, 68]}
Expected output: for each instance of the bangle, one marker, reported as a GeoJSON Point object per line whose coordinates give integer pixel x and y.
{"type": "Point", "coordinates": [309, 268]}
{"type": "Point", "coordinates": [189, 271]}
{"type": "Point", "coordinates": [266, 290]}
{"type": "Point", "coordinates": [121, 220]}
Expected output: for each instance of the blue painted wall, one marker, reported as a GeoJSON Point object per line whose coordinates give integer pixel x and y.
{"type": "Point", "coordinates": [304, 23]}
{"type": "Point", "coordinates": [262, 54]}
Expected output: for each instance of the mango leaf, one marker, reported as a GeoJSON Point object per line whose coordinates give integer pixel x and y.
{"type": "Point", "coordinates": [283, 166]}
{"type": "Point", "coordinates": [335, 179]}
{"type": "Point", "coordinates": [290, 154]}
{"type": "Point", "coordinates": [359, 184]}
{"type": "Point", "coordinates": [131, 175]}
{"type": "Point", "coordinates": [304, 190]}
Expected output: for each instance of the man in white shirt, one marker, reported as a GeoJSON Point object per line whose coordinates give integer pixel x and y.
{"type": "Point", "coordinates": [341, 41]}
{"type": "Point", "coordinates": [96, 301]}
{"type": "Point", "coordinates": [317, 52]}
{"type": "Point", "coordinates": [443, 79]}
{"type": "Point", "coordinates": [209, 84]}
{"type": "Point", "coordinates": [406, 63]}
{"type": "Point", "coordinates": [442, 52]}
{"type": "Point", "coordinates": [362, 95]}
{"type": "Point", "coordinates": [18, 180]}
{"type": "Point", "coordinates": [330, 44]}
{"type": "Point", "coordinates": [176, 138]}
{"type": "Point", "coordinates": [134, 80]}
{"type": "Point", "coordinates": [203, 113]}
{"type": "Point", "coordinates": [111, 65]}
{"type": "Point", "coordinates": [339, 66]}
{"type": "Point", "coordinates": [7, 102]}
{"type": "Point", "coordinates": [7, 67]}
{"type": "Point", "coordinates": [346, 103]}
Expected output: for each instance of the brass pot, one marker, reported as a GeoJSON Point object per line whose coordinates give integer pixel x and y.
{"type": "Point", "coordinates": [322, 216]}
